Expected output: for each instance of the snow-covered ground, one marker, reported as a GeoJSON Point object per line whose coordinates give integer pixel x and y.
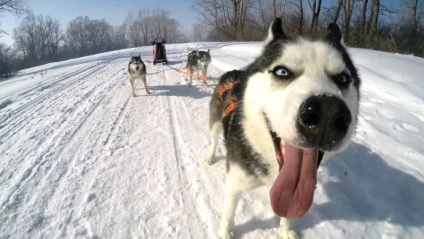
{"type": "Point", "coordinates": [80, 158]}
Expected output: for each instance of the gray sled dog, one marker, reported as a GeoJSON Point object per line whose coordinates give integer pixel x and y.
{"type": "Point", "coordinates": [198, 61]}
{"type": "Point", "coordinates": [137, 70]}
{"type": "Point", "coordinates": [296, 102]}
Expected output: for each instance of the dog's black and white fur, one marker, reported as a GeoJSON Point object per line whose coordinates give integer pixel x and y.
{"type": "Point", "coordinates": [298, 100]}
{"type": "Point", "coordinates": [137, 70]}
{"type": "Point", "coordinates": [197, 62]}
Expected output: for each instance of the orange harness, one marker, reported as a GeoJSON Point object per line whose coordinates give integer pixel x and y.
{"type": "Point", "coordinates": [231, 103]}
{"type": "Point", "coordinates": [222, 89]}
{"type": "Point", "coordinates": [194, 75]}
{"type": "Point", "coordinates": [231, 107]}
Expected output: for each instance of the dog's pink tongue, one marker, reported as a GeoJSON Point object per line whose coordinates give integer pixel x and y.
{"type": "Point", "coordinates": [292, 193]}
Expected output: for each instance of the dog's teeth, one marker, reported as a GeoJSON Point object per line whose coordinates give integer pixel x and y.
{"type": "Point", "coordinates": [283, 148]}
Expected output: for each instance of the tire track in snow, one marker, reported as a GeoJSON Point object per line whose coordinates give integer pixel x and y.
{"type": "Point", "coordinates": [34, 105]}
{"type": "Point", "coordinates": [115, 127]}
{"type": "Point", "coordinates": [41, 113]}
{"type": "Point", "coordinates": [62, 137]}
{"type": "Point", "coordinates": [167, 103]}
{"type": "Point", "coordinates": [87, 160]}
{"type": "Point", "coordinates": [186, 176]}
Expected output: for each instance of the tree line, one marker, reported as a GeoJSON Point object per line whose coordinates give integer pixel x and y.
{"type": "Point", "coordinates": [370, 24]}
{"type": "Point", "coordinates": [41, 39]}
{"type": "Point", "coordinates": [366, 23]}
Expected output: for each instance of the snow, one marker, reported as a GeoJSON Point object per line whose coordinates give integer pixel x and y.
{"type": "Point", "coordinates": [80, 158]}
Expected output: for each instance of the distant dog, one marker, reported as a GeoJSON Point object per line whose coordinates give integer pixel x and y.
{"type": "Point", "coordinates": [198, 61]}
{"type": "Point", "coordinates": [137, 70]}
{"type": "Point", "coordinates": [298, 100]}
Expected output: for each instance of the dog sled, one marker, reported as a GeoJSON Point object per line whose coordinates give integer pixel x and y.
{"type": "Point", "coordinates": [159, 51]}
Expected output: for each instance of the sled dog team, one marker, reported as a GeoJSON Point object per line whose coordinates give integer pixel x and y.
{"type": "Point", "coordinates": [297, 101]}
{"type": "Point", "coordinates": [197, 62]}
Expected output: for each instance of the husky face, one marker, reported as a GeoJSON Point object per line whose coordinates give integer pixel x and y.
{"type": "Point", "coordinates": [306, 94]}
{"type": "Point", "coordinates": [307, 71]}
{"type": "Point", "coordinates": [204, 58]}
{"type": "Point", "coordinates": [136, 66]}
{"type": "Point", "coordinates": [303, 78]}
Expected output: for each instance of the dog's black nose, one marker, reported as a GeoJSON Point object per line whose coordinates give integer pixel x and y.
{"type": "Point", "coordinates": [137, 68]}
{"type": "Point", "coordinates": [324, 121]}
{"type": "Point", "coordinates": [310, 113]}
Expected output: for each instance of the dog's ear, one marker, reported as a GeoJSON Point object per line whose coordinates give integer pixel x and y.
{"type": "Point", "coordinates": [275, 31]}
{"type": "Point", "coordinates": [209, 50]}
{"type": "Point", "coordinates": [334, 34]}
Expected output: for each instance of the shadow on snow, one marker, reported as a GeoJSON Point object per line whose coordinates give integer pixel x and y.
{"type": "Point", "coordinates": [366, 189]}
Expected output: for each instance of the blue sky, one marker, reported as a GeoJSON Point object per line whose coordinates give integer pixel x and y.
{"type": "Point", "coordinates": [113, 11]}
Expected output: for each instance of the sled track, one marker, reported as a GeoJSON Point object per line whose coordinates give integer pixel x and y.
{"type": "Point", "coordinates": [61, 135]}
{"type": "Point", "coordinates": [17, 124]}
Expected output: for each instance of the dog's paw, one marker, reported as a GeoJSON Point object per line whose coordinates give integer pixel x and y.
{"type": "Point", "coordinates": [287, 234]}
{"type": "Point", "coordinates": [209, 160]}
{"type": "Point", "coordinates": [226, 235]}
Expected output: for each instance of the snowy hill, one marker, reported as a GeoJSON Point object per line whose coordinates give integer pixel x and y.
{"type": "Point", "coordinates": [80, 158]}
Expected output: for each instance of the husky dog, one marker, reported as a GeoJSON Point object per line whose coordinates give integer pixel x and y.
{"type": "Point", "coordinates": [137, 70]}
{"type": "Point", "coordinates": [198, 61]}
{"type": "Point", "coordinates": [298, 100]}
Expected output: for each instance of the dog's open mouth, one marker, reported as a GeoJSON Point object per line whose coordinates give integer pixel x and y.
{"type": "Point", "coordinates": [292, 193]}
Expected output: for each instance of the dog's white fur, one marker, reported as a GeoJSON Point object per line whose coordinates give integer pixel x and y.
{"type": "Point", "coordinates": [316, 60]}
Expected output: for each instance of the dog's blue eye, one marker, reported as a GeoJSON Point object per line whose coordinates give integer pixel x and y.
{"type": "Point", "coordinates": [282, 72]}
{"type": "Point", "coordinates": [343, 79]}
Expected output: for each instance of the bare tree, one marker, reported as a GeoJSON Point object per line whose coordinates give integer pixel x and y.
{"type": "Point", "coordinates": [134, 31]}
{"type": "Point", "coordinates": [373, 21]}
{"type": "Point", "coordinates": [38, 38]}
{"type": "Point", "coordinates": [301, 17]}
{"type": "Point", "coordinates": [416, 8]}
{"type": "Point", "coordinates": [363, 22]}
{"type": "Point", "coordinates": [86, 36]}
{"type": "Point", "coordinates": [77, 35]}
{"type": "Point", "coordinates": [149, 25]}
{"type": "Point", "coordinates": [348, 8]}
{"type": "Point", "coordinates": [6, 57]}
{"type": "Point", "coordinates": [228, 18]}
{"type": "Point", "coordinates": [240, 10]}
{"type": "Point", "coordinates": [408, 28]}
{"type": "Point", "coordinates": [119, 36]}
{"type": "Point", "coordinates": [54, 37]}
{"type": "Point", "coordinates": [144, 23]}
{"type": "Point", "coordinates": [15, 7]}
{"type": "Point", "coordinates": [98, 38]}
{"type": "Point", "coordinates": [338, 10]}
{"type": "Point", "coordinates": [274, 9]}
{"type": "Point", "coordinates": [316, 9]}
{"type": "Point", "coordinates": [26, 38]}
{"type": "Point", "coordinates": [200, 32]}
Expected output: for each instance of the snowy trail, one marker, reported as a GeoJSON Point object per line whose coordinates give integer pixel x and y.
{"type": "Point", "coordinates": [80, 158]}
